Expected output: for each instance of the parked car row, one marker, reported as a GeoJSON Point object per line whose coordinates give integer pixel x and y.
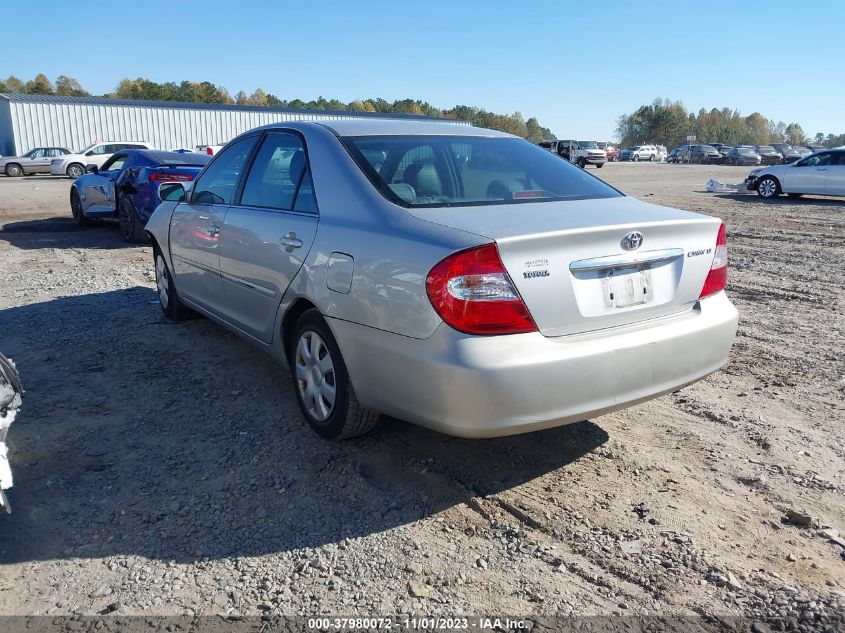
{"type": "Point", "coordinates": [721, 154]}
{"type": "Point", "coordinates": [60, 161]}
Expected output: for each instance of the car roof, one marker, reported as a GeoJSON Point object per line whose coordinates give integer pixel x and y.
{"type": "Point", "coordinates": [390, 127]}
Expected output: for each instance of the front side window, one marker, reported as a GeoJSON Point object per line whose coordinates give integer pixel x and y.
{"type": "Point", "coordinates": [100, 150]}
{"type": "Point", "coordinates": [445, 171]}
{"type": "Point", "coordinates": [38, 153]}
{"type": "Point", "coordinates": [817, 160]}
{"type": "Point", "coordinates": [279, 178]}
{"type": "Point", "coordinates": [218, 183]}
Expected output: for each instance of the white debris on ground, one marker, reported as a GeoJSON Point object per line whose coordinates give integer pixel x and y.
{"type": "Point", "coordinates": [714, 186]}
{"type": "Point", "coordinates": [10, 402]}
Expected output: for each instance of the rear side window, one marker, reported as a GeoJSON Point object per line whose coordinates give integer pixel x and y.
{"type": "Point", "coordinates": [280, 177]}
{"type": "Point", "coordinates": [435, 171]}
{"type": "Point", "coordinates": [218, 183]}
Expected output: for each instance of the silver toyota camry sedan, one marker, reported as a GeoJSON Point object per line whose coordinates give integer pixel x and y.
{"type": "Point", "coordinates": [460, 278]}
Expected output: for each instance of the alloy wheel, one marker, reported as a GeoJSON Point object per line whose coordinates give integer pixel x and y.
{"type": "Point", "coordinates": [767, 188]}
{"type": "Point", "coordinates": [74, 171]}
{"type": "Point", "coordinates": [315, 375]}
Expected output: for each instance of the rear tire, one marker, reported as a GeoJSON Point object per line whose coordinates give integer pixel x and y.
{"type": "Point", "coordinates": [652, 158]}
{"type": "Point", "coordinates": [768, 187]}
{"type": "Point", "coordinates": [168, 298]}
{"type": "Point", "coordinates": [14, 170]}
{"type": "Point", "coordinates": [321, 382]}
{"type": "Point", "coordinates": [131, 227]}
{"type": "Point", "coordinates": [582, 163]}
{"type": "Point", "coordinates": [75, 171]}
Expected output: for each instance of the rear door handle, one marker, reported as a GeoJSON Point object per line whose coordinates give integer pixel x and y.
{"type": "Point", "coordinates": [290, 242]}
{"type": "Point", "coordinates": [822, 168]}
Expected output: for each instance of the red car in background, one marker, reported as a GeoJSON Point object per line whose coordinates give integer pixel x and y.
{"type": "Point", "coordinates": [612, 152]}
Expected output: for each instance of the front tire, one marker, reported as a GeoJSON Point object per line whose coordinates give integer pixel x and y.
{"type": "Point", "coordinates": [75, 171]}
{"type": "Point", "coordinates": [131, 227]}
{"type": "Point", "coordinates": [652, 158]}
{"type": "Point", "coordinates": [14, 170]}
{"type": "Point", "coordinates": [321, 382]}
{"type": "Point", "coordinates": [636, 158]}
{"type": "Point", "coordinates": [582, 163]}
{"type": "Point", "coordinates": [76, 209]}
{"type": "Point", "coordinates": [168, 298]}
{"type": "Point", "coordinates": [599, 165]}
{"type": "Point", "coordinates": [768, 187]}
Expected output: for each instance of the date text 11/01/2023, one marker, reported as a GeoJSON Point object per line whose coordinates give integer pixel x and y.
{"type": "Point", "coordinates": [405, 623]}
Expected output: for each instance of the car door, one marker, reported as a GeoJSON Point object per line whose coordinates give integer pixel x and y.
{"type": "Point", "coordinates": [195, 226]}
{"type": "Point", "coordinates": [808, 175]}
{"type": "Point", "coordinates": [267, 233]}
{"type": "Point", "coordinates": [96, 191]}
{"type": "Point", "coordinates": [835, 181]}
{"type": "Point", "coordinates": [35, 161]}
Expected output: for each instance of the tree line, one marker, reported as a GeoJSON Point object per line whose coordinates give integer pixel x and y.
{"type": "Point", "coordinates": [668, 123]}
{"type": "Point", "coordinates": [207, 92]}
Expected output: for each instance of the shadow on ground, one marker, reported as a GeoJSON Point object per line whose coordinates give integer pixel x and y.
{"type": "Point", "coordinates": [753, 198]}
{"type": "Point", "coordinates": [180, 441]}
{"type": "Point", "coordinates": [62, 232]}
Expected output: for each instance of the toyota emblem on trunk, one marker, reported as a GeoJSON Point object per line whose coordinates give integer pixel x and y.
{"type": "Point", "coordinates": [632, 241]}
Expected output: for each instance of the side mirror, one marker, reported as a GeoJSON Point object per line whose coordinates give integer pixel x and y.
{"type": "Point", "coordinates": [172, 192]}
{"type": "Point", "coordinates": [89, 153]}
{"type": "Point", "coordinates": [92, 169]}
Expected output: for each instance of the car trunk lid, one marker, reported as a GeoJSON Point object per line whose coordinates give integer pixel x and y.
{"type": "Point", "coordinates": [569, 264]}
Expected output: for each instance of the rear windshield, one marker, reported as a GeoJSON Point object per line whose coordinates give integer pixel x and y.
{"type": "Point", "coordinates": [446, 171]}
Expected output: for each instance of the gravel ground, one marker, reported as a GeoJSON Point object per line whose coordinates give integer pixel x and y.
{"type": "Point", "coordinates": [164, 468]}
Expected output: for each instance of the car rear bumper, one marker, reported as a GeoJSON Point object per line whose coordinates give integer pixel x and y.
{"type": "Point", "coordinates": [474, 386]}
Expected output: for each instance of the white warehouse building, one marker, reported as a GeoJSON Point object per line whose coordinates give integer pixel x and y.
{"type": "Point", "coordinates": [28, 121]}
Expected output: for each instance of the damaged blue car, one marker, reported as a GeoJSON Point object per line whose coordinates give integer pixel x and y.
{"type": "Point", "coordinates": [126, 187]}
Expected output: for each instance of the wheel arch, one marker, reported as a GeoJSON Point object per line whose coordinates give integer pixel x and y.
{"type": "Point", "coordinates": [295, 310]}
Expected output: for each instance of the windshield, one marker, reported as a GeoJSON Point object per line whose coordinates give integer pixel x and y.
{"type": "Point", "coordinates": [708, 148]}
{"type": "Point", "coordinates": [765, 148]}
{"type": "Point", "coordinates": [85, 149]}
{"type": "Point", "coordinates": [445, 171]}
{"type": "Point", "coordinates": [588, 144]}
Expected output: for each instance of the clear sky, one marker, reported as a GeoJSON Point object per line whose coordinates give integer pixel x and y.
{"type": "Point", "coordinates": [575, 65]}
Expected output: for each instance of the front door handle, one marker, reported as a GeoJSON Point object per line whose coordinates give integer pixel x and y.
{"type": "Point", "coordinates": [291, 242]}
{"type": "Point", "coordinates": [822, 168]}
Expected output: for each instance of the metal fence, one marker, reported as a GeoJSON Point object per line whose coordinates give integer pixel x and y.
{"type": "Point", "coordinates": [28, 121]}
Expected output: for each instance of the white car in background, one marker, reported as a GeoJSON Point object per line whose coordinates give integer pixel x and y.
{"type": "Point", "coordinates": [73, 165]}
{"type": "Point", "coordinates": [211, 150]}
{"type": "Point", "coordinates": [821, 174]}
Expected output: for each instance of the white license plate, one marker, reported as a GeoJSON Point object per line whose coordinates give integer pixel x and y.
{"type": "Point", "coordinates": [623, 287]}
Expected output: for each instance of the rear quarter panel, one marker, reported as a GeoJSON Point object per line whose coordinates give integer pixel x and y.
{"type": "Point", "coordinates": [392, 250]}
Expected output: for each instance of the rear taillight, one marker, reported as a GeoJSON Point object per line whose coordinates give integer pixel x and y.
{"type": "Point", "coordinates": [209, 151]}
{"type": "Point", "coordinates": [717, 278]}
{"type": "Point", "coordinates": [473, 293]}
{"type": "Point", "coordinates": [165, 177]}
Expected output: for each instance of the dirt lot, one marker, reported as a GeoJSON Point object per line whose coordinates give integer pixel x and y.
{"type": "Point", "coordinates": [164, 469]}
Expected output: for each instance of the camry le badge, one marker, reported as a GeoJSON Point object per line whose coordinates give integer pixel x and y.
{"type": "Point", "coordinates": [632, 241]}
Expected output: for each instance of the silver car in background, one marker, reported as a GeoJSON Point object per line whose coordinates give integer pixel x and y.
{"type": "Point", "coordinates": [821, 174]}
{"type": "Point", "coordinates": [460, 278]}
